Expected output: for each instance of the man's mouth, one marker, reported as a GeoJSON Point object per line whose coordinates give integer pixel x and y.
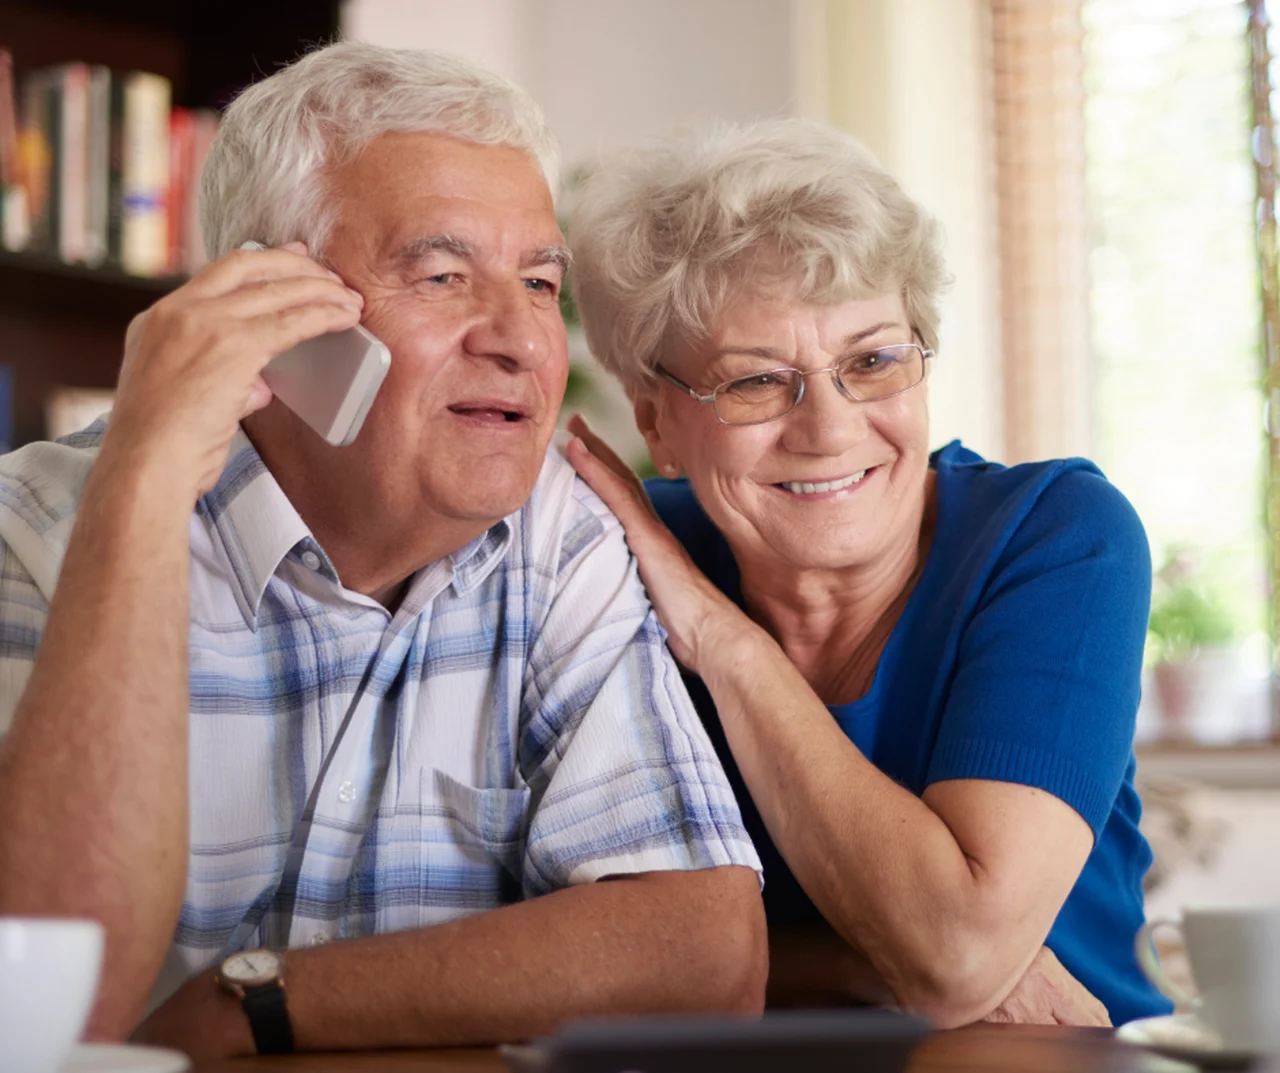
{"type": "Point", "coordinates": [491, 411]}
{"type": "Point", "coordinates": [836, 484]}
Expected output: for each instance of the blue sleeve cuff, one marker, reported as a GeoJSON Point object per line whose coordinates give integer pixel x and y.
{"type": "Point", "coordinates": [1004, 761]}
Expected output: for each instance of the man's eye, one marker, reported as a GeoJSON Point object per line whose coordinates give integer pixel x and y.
{"type": "Point", "coordinates": [544, 286]}
{"type": "Point", "coordinates": [441, 278]}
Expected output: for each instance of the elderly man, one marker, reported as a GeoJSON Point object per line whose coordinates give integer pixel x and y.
{"type": "Point", "coordinates": [358, 695]}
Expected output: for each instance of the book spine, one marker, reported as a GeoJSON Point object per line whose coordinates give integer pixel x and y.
{"type": "Point", "coordinates": [144, 230]}
{"type": "Point", "coordinates": [179, 180]}
{"type": "Point", "coordinates": [14, 223]}
{"type": "Point", "coordinates": [115, 168]}
{"type": "Point", "coordinates": [6, 407]}
{"type": "Point", "coordinates": [51, 121]}
{"type": "Point", "coordinates": [35, 156]}
{"type": "Point", "coordinates": [98, 165]}
{"type": "Point", "coordinates": [72, 160]}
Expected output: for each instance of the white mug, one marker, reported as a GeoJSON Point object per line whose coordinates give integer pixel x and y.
{"type": "Point", "coordinates": [1235, 958]}
{"type": "Point", "coordinates": [48, 978]}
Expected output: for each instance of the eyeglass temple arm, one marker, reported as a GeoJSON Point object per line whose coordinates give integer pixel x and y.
{"type": "Point", "coordinates": [682, 385]}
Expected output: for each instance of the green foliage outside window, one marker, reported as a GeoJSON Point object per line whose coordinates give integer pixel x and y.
{"type": "Point", "coordinates": [1187, 612]}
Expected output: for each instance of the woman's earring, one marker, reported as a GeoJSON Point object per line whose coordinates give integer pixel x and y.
{"type": "Point", "coordinates": [670, 469]}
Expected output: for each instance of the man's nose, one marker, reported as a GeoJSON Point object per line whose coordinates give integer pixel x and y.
{"type": "Point", "coordinates": [508, 327]}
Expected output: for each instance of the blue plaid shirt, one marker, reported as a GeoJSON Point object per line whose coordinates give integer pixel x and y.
{"type": "Point", "coordinates": [516, 726]}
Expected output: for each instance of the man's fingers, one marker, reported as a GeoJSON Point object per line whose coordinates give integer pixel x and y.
{"type": "Point", "coordinates": [239, 267]}
{"type": "Point", "coordinates": [265, 296]}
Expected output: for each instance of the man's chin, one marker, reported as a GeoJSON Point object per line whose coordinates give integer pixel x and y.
{"type": "Point", "coordinates": [489, 506]}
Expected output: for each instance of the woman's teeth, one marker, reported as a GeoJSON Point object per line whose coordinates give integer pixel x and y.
{"type": "Point", "coordinates": [809, 488]}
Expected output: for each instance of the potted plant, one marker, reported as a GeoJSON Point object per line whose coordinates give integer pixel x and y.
{"type": "Point", "coordinates": [1191, 642]}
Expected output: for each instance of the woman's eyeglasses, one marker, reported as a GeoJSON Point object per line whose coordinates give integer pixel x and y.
{"type": "Point", "coordinates": [870, 376]}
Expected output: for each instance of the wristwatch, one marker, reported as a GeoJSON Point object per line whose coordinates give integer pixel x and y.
{"type": "Point", "coordinates": [256, 977]}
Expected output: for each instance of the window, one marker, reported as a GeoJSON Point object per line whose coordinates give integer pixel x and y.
{"type": "Point", "coordinates": [1177, 346]}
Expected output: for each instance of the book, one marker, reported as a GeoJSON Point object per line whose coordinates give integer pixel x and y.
{"type": "Point", "coordinates": [97, 165]}
{"type": "Point", "coordinates": [115, 167]}
{"type": "Point", "coordinates": [6, 407]}
{"type": "Point", "coordinates": [70, 96]}
{"type": "Point", "coordinates": [180, 130]}
{"type": "Point", "coordinates": [14, 225]}
{"type": "Point", "coordinates": [36, 139]}
{"type": "Point", "coordinates": [144, 239]}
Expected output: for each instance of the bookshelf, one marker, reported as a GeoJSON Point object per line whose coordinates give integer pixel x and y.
{"type": "Point", "coordinates": [63, 325]}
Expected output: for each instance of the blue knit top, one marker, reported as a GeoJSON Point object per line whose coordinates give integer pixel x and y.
{"type": "Point", "coordinates": [1016, 658]}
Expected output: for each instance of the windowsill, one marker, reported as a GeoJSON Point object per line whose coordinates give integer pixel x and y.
{"type": "Point", "coordinates": [1253, 767]}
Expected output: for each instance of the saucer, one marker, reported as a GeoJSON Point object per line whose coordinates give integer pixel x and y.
{"type": "Point", "coordinates": [124, 1058]}
{"type": "Point", "coordinates": [1185, 1037]}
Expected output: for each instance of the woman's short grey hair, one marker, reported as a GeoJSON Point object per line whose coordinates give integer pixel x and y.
{"type": "Point", "coordinates": [665, 237]}
{"type": "Point", "coordinates": [265, 174]}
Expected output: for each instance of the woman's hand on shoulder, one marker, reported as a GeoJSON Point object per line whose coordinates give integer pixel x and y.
{"type": "Point", "coordinates": [698, 617]}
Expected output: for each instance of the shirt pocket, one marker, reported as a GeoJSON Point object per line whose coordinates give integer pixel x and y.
{"type": "Point", "coordinates": [488, 825]}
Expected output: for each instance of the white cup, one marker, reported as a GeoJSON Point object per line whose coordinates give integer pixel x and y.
{"type": "Point", "coordinates": [48, 977]}
{"type": "Point", "coordinates": [1235, 958]}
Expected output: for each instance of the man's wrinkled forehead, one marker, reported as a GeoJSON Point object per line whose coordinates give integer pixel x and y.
{"type": "Point", "coordinates": [426, 164]}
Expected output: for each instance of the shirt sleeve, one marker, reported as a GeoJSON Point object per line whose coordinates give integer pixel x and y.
{"type": "Point", "coordinates": [623, 776]}
{"type": "Point", "coordinates": [1049, 666]}
{"type": "Point", "coordinates": [23, 613]}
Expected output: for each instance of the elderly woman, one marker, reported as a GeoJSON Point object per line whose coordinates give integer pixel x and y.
{"type": "Point", "coordinates": [922, 670]}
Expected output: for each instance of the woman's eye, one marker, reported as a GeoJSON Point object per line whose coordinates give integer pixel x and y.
{"type": "Point", "coordinates": [876, 361]}
{"type": "Point", "coordinates": [763, 382]}
{"type": "Point", "coordinates": [441, 278]}
{"type": "Point", "coordinates": [542, 286]}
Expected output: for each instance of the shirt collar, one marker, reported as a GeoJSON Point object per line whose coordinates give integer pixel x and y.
{"type": "Point", "coordinates": [474, 562]}
{"type": "Point", "coordinates": [253, 522]}
{"type": "Point", "coordinates": [256, 526]}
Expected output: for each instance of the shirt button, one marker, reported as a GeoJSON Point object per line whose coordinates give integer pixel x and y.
{"type": "Point", "coordinates": [347, 792]}
{"type": "Point", "coordinates": [310, 560]}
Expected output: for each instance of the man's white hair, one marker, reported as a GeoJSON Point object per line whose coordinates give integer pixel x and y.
{"type": "Point", "coordinates": [265, 175]}
{"type": "Point", "coordinates": [665, 237]}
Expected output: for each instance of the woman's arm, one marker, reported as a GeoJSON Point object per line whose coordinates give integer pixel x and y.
{"type": "Point", "coordinates": [811, 966]}
{"type": "Point", "coordinates": [949, 896]}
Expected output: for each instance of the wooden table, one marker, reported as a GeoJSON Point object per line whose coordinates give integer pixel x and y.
{"type": "Point", "coordinates": [980, 1049]}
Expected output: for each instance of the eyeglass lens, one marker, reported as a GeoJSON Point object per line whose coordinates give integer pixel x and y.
{"type": "Point", "coordinates": [866, 377]}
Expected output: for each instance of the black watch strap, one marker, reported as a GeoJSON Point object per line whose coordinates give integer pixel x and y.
{"type": "Point", "coordinates": [269, 1019]}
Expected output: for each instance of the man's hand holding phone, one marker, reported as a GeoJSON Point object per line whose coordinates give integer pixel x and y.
{"type": "Point", "coordinates": [193, 361]}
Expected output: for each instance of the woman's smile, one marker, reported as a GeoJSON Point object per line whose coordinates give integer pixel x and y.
{"type": "Point", "coordinates": [824, 490]}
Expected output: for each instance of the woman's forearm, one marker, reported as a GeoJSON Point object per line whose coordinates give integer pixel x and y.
{"type": "Point", "coordinates": [879, 864]}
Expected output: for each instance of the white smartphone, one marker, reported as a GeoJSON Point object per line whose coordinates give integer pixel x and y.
{"type": "Point", "coordinates": [329, 381]}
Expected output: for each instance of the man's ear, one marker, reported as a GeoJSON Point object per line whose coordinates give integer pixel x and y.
{"type": "Point", "coordinates": [647, 405]}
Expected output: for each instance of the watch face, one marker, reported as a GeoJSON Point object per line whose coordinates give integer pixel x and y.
{"type": "Point", "coordinates": [252, 967]}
